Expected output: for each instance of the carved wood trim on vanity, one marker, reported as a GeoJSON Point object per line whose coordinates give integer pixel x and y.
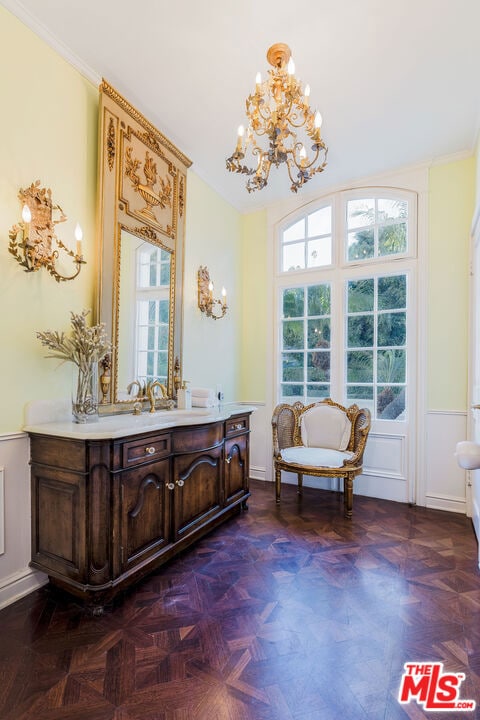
{"type": "Point", "coordinates": [107, 512]}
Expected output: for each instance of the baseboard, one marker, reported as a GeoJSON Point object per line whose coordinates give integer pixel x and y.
{"type": "Point", "coordinates": [257, 473]}
{"type": "Point", "coordinates": [445, 502]}
{"type": "Point", "coordinates": [20, 584]}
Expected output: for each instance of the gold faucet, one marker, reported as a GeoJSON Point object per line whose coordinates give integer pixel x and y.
{"type": "Point", "coordinates": [137, 383]}
{"type": "Point", "coordinates": [151, 393]}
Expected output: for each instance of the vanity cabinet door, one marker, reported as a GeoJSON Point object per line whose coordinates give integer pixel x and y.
{"type": "Point", "coordinates": [144, 513]}
{"type": "Point", "coordinates": [236, 468]}
{"type": "Point", "coordinates": [197, 496]}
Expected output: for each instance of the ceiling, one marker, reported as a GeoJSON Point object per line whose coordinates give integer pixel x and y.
{"type": "Point", "coordinates": [397, 83]}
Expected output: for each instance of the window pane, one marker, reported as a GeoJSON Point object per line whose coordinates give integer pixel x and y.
{"type": "Point", "coordinates": [293, 334]}
{"type": "Point", "coordinates": [390, 403]}
{"type": "Point", "coordinates": [164, 311]}
{"type": "Point", "coordinates": [361, 245]}
{"type": "Point", "coordinates": [162, 365]}
{"type": "Point", "coordinates": [319, 252]}
{"type": "Point", "coordinates": [392, 239]}
{"type": "Point", "coordinates": [295, 231]}
{"type": "Point", "coordinates": [152, 306]}
{"type": "Point", "coordinates": [292, 364]}
{"type": "Point", "coordinates": [391, 329]}
{"type": "Point", "coordinates": [162, 337]}
{"type": "Point", "coordinates": [293, 257]}
{"type": "Point", "coordinates": [317, 392]}
{"type": "Point", "coordinates": [360, 295]}
{"type": "Point", "coordinates": [392, 209]}
{"type": "Point", "coordinates": [360, 213]}
{"type": "Point", "coordinates": [150, 363]}
{"type": "Point", "coordinates": [391, 366]}
{"type": "Point", "coordinates": [290, 393]}
{"type": "Point", "coordinates": [392, 292]}
{"type": "Point", "coordinates": [320, 222]}
{"type": "Point", "coordinates": [359, 366]}
{"type": "Point", "coordinates": [319, 333]}
{"type": "Point", "coordinates": [359, 392]}
{"type": "Point", "coordinates": [293, 304]}
{"type": "Point", "coordinates": [318, 366]}
{"type": "Point", "coordinates": [165, 274]}
{"type": "Point", "coordinates": [151, 338]}
{"type": "Point", "coordinates": [318, 300]}
{"type": "Point", "coordinates": [360, 331]}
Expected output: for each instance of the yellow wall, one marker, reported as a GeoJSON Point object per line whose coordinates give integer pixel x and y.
{"type": "Point", "coordinates": [48, 131]}
{"type": "Point", "coordinates": [211, 348]}
{"type": "Point", "coordinates": [451, 207]}
{"type": "Point", "coordinates": [256, 327]}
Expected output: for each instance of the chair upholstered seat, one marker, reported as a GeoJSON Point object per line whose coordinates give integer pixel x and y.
{"type": "Point", "coordinates": [322, 439]}
{"type": "Point", "coordinates": [315, 457]}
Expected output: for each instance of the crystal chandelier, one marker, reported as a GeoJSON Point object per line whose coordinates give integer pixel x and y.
{"type": "Point", "coordinates": [278, 109]}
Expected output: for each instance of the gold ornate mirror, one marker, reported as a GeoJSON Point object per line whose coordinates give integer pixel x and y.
{"type": "Point", "coordinates": [142, 220]}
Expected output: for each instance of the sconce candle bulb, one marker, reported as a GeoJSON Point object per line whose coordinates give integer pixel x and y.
{"type": "Point", "coordinates": [26, 214]}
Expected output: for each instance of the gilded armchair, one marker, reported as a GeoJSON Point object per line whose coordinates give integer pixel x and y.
{"type": "Point", "coordinates": [322, 439]}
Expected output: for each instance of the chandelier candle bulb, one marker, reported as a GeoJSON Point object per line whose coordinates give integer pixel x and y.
{"type": "Point", "coordinates": [258, 82]}
{"type": "Point", "coordinates": [241, 131]}
{"type": "Point", "coordinates": [224, 297]}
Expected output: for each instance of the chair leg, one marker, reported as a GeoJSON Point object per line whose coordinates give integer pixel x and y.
{"type": "Point", "coordinates": [300, 484]}
{"type": "Point", "coordinates": [278, 484]}
{"type": "Point", "coordinates": [348, 495]}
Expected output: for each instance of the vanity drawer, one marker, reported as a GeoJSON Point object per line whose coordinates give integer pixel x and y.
{"type": "Point", "coordinates": [152, 448]}
{"type": "Point", "coordinates": [236, 425]}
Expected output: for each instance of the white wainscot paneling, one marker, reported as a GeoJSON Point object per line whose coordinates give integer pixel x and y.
{"type": "Point", "coordinates": [445, 480]}
{"type": "Point", "coordinates": [16, 577]}
{"type": "Point", "coordinates": [259, 424]}
{"type": "Point", "coordinates": [384, 468]}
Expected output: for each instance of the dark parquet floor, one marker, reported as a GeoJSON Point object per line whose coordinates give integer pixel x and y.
{"type": "Point", "coordinates": [289, 613]}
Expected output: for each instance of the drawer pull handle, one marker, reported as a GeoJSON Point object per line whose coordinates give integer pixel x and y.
{"type": "Point", "coordinates": [171, 486]}
{"type": "Point", "coordinates": [150, 450]}
{"type": "Point", "coordinates": [180, 483]}
{"type": "Point", "coordinates": [237, 426]}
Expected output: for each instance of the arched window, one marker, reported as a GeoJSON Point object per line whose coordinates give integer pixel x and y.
{"type": "Point", "coordinates": [344, 296]}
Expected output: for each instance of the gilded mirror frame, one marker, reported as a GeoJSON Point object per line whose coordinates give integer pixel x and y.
{"type": "Point", "coordinates": [142, 191]}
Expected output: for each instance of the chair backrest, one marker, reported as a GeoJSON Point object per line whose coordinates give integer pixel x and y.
{"type": "Point", "coordinates": [325, 426]}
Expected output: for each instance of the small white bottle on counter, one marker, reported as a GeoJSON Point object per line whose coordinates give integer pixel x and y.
{"type": "Point", "coordinates": [184, 397]}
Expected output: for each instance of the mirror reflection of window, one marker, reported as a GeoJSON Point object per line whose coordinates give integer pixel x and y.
{"type": "Point", "coordinates": [152, 313]}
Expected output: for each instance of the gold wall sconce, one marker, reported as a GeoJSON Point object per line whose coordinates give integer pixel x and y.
{"type": "Point", "coordinates": [34, 243]}
{"type": "Point", "coordinates": [212, 307]}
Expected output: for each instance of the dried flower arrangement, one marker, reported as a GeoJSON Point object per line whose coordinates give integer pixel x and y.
{"type": "Point", "coordinates": [85, 347]}
{"type": "Point", "coordinates": [86, 344]}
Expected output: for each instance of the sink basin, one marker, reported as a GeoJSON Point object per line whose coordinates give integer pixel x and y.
{"type": "Point", "coordinates": [468, 455]}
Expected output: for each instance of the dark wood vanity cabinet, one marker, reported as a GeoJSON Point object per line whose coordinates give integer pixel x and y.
{"type": "Point", "coordinates": [107, 512]}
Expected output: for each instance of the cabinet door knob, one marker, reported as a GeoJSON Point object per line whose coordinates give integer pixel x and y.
{"type": "Point", "coordinates": [180, 483]}
{"type": "Point", "coordinates": [171, 486]}
{"type": "Point", "coordinates": [150, 450]}
{"type": "Point", "coordinates": [228, 460]}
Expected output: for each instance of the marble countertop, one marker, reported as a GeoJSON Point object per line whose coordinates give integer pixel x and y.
{"type": "Point", "coordinates": [116, 426]}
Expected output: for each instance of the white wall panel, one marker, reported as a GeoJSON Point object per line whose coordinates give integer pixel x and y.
{"type": "Point", "coordinates": [445, 480]}
{"type": "Point", "coordinates": [16, 577]}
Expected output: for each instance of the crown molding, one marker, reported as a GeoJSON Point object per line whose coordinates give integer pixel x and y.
{"type": "Point", "coordinates": [26, 17]}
